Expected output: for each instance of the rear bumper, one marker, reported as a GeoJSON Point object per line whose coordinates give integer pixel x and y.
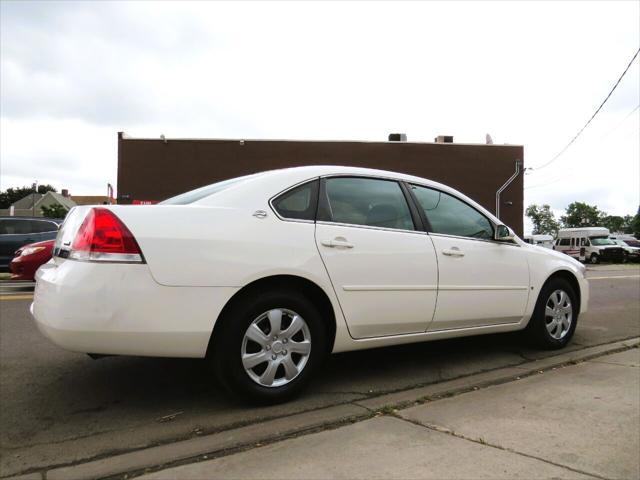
{"type": "Point", "coordinates": [119, 309]}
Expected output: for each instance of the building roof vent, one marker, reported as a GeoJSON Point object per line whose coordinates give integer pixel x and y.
{"type": "Point", "coordinates": [443, 139]}
{"type": "Point", "coordinates": [397, 137]}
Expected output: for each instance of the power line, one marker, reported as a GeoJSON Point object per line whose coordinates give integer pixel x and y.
{"type": "Point", "coordinates": [556, 178]}
{"type": "Point", "coordinates": [592, 117]}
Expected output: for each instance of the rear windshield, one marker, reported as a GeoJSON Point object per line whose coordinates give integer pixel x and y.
{"type": "Point", "coordinates": [202, 192]}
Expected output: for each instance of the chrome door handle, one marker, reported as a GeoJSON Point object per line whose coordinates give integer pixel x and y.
{"type": "Point", "coordinates": [453, 252]}
{"type": "Point", "coordinates": [339, 243]}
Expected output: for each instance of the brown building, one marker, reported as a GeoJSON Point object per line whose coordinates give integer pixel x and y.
{"type": "Point", "coordinates": [151, 170]}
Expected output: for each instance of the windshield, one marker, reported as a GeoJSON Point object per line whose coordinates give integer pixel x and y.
{"type": "Point", "coordinates": [599, 241]}
{"type": "Point", "coordinates": [630, 243]}
{"type": "Point", "coordinates": [202, 192]}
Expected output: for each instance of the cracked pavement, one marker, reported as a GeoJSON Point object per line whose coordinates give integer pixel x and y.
{"type": "Point", "coordinates": [579, 421]}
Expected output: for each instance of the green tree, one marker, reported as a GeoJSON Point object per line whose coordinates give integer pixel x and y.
{"type": "Point", "coordinates": [12, 195]}
{"type": "Point", "coordinates": [581, 214]}
{"type": "Point", "coordinates": [628, 224]}
{"type": "Point", "coordinates": [543, 219]}
{"type": "Point", "coordinates": [614, 223]}
{"type": "Point", "coordinates": [54, 211]}
{"type": "Point", "coordinates": [635, 225]}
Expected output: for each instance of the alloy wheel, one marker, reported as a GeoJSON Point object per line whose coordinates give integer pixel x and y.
{"type": "Point", "coordinates": [276, 347]}
{"type": "Point", "coordinates": [558, 314]}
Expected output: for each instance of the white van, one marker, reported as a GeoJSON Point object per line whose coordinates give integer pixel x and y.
{"type": "Point", "coordinates": [545, 241]}
{"type": "Point", "coordinates": [589, 243]}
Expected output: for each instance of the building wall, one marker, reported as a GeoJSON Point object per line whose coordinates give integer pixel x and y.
{"type": "Point", "coordinates": [21, 212]}
{"type": "Point", "coordinates": [155, 169]}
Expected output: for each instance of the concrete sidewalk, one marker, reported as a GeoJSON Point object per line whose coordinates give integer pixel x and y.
{"type": "Point", "coordinates": [581, 421]}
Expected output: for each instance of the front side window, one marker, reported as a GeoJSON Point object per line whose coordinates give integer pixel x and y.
{"type": "Point", "coordinates": [206, 191]}
{"type": "Point", "coordinates": [450, 216]}
{"type": "Point", "coordinates": [298, 203]}
{"type": "Point", "coordinates": [564, 242]}
{"type": "Point", "coordinates": [365, 201]}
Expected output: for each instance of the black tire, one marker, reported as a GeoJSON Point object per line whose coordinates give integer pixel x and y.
{"type": "Point", "coordinates": [625, 257]}
{"type": "Point", "coordinates": [226, 346]}
{"type": "Point", "coordinates": [594, 258]}
{"type": "Point", "coordinates": [537, 332]}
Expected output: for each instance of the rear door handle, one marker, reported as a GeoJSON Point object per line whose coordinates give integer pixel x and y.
{"type": "Point", "coordinates": [337, 243]}
{"type": "Point", "coordinates": [453, 252]}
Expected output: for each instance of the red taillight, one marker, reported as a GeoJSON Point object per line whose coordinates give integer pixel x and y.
{"type": "Point", "coordinates": [103, 237]}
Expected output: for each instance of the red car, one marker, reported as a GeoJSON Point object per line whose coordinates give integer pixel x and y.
{"type": "Point", "coordinates": [28, 258]}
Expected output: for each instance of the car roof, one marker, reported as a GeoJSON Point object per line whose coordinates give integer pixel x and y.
{"type": "Point", "coordinates": [293, 175]}
{"type": "Point", "coordinates": [322, 170]}
{"type": "Point", "coordinates": [566, 232]}
{"type": "Point", "coordinates": [274, 182]}
{"type": "Point", "coordinates": [47, 219]}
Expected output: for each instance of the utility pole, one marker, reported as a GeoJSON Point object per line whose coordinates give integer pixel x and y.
{"type": "Point", "coordinates": [33, 198]}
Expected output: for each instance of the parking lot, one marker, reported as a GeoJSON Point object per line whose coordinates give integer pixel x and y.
{"type": "Point", "coordinates": [61, 408]}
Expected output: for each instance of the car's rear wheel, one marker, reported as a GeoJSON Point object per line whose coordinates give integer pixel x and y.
{"type": "Point", "coordinates": [269, 346]}
{"type": "Point", "coordinates": [594, 258]}
{"type": "Point", "coordinates": [555, 315]}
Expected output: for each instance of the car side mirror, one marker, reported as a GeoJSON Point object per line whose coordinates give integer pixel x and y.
{"type": "Point", "coordinates": [503, 234]}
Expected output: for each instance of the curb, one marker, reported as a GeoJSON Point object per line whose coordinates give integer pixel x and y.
{"type": "Point", "coordinates": [228, 441]}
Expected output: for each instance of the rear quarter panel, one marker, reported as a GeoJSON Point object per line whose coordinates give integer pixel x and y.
{"type": "Point", "coordinates": [221, 246]}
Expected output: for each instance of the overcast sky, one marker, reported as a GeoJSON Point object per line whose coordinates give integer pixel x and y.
{"type": "Point", "coordinates": [73, 74]}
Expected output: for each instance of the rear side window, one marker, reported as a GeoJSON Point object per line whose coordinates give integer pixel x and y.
{"type": "Point", "coordinates": [206, 191]}
{"type": "Point", "coordinates": [15, 227]}
{"type": "Point", "coordinates": [42, 226]}
{"type": "Point", "coordinates": [365, 201]}
{"type": "Point", "coordinates": [298, 203]}
{"type": "Point", "coordinates": [450, 216]}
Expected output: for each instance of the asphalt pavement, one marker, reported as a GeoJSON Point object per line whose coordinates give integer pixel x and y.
{"type": "Point", "coordinates": [61, 408]}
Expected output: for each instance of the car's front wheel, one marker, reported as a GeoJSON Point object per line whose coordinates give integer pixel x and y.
{"type": "Point", "coordinates": [269, 346]}
{"type": "Point", "coordinates": [594, 258]}
{"type": "Point", "coordinates": [555, 315]}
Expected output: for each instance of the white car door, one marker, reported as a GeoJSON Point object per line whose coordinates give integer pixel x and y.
{"type": "Point", "coordinates": [383, 270]}
{"type": "Point", "coordinates": [481, 281]}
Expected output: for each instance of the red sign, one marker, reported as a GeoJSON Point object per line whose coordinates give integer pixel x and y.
{"type": "Point", "coordinates": [144, 202]}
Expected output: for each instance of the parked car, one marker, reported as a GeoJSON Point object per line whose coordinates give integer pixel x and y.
{"type": "Point", "coordinates": [630, 245]}
{"type": "Point", "coordinates": [265, 275]}
{"type": "Point", "coordinates": [590, 243]}
{"type": "Point", "coordinates": [541, 240]}
{"type": "Point", "coordinates": [15, 232]}
{"type": "Point", "coordinates": [29, 258]}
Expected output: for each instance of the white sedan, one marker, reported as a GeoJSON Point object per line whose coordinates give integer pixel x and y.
{"type": "Point", "coordinates": [265, 275]}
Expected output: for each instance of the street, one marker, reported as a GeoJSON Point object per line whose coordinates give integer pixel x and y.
{"type": "Point", "coordinates": [60, 408]}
